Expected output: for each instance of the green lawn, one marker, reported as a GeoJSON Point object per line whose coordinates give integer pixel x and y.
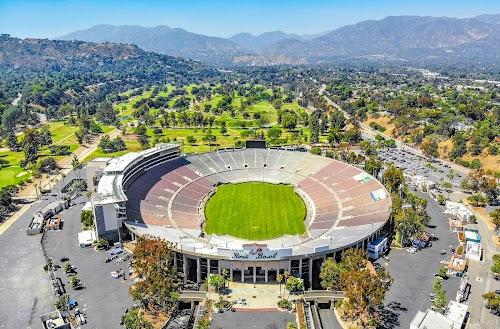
{"type": "Point", "coordinates": [132, 146]}
{"type": "Point", "coordinates": [13, 174]}
{"type": "Point", "coordinates": [255, 211]}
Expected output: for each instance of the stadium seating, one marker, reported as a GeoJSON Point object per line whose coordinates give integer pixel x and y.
{"type": "Point", "coordinates": [173, 194]}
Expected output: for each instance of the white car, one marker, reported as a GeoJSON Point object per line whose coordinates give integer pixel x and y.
{"type": "Point", "coordinates": [412, 250]}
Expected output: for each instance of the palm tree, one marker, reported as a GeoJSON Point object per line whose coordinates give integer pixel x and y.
{"type": "Point", "coordinates": [279, 278]}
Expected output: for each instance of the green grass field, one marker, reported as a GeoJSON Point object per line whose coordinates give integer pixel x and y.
{"type": "Point", "coordinates": [255, 211]}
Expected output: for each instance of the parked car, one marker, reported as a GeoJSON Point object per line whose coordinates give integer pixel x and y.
{"type": "Point", "coordinates": [412, 250]}
{"type": "Point", "coordinates": [115, 251]}
{"type": "Point", "coordinates": [71, 304]}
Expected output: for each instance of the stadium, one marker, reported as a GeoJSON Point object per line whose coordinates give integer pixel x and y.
{"type": "Point", "coordinates": [255, 212]}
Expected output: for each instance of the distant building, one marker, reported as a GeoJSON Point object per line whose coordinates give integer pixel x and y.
{"type": "Point", "coordinates": [458, 209]}
{"type": "Point", "coordinates": [473, 250]}
{"type": "Point", "coordinates": [457, 265]}
{"type": "Point", "coordinates": [454, 317]}
{"type": "Point", "coordinates": [421, 182]}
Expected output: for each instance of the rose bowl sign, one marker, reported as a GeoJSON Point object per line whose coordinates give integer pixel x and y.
{"type": "Point", "coordinates": [256, 252]}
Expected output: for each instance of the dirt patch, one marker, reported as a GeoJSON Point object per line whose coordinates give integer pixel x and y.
{"type": "Point", "coordinates": [384, 122]}
{"type": "Point", "coordinates": [489, 162]}
{"type": "Point", "coordinates": [444, 148]}
{"type": "Point", "coordinates": [157, 319]}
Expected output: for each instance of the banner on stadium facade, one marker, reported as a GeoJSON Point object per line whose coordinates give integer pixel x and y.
{"type": "Point", "coordinates": [255, 252]}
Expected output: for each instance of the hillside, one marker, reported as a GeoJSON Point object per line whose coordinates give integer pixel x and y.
{"type": "Point", "coordinates": [162, 39]}
{"type": "Point", "coordinates": [402, 39]}
{"type": "Point", "coordinates": [51, 73]}
{"type": "Point", "coordinates": [435, 40]}
{"type": "Point", "coordinates": [98, 61]}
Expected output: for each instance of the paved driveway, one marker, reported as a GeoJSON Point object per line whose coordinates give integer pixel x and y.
{"type": "Point", "coordinates": [251, 320]}
{"type": "Point", "coordinates": [24, 285]}
{"type": "Point", "coordinates": [103, 299]}
{"type": "Point", "coordinates": [413, 273]}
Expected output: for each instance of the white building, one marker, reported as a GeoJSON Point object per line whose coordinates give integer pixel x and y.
{"type": "Point", "coordinates": [421, 182]}
{"type": "Point", "coordinates": [454, 317]}
{"type": "Point", "coordinates": [109, 203]}
{"type": "Point", "coordinates": [459, 210]}
{"type": "Point", "coordinates": [473, 250]}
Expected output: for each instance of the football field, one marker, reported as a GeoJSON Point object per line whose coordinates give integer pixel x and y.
{"type": "Point", "coordinates": [255, 211]}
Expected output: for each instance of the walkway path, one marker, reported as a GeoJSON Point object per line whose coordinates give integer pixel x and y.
{"type": "Point", "coordinates": [259, 296]}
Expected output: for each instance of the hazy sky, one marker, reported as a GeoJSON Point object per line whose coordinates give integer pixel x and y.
{"type": "Point", "coordinates": [48, 19]}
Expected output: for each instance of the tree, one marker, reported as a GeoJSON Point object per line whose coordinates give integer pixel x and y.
{"type": "Point", "coordinates": [289, 119]}
{"type": "Point", "coordinates": [216, 281]}
{"type": "Point", "coordinates": [364, 292]}
{"type": "Point", "coordinates": [109, 145]}
{"type": "Point", "coordinates": [314, 126]}
{"type": "Point", "coordinates": [439, 294]}
{"type": "Point", "coordinates": [393, 178]}
{"type": "Point", "coordinates": [495, 267]}
{"type": "Point", "coordinates": [352, 260]}
{"type": "Point", "coordinates": [495, 218]}
{"type": "Point", "coordinates": [62, 303]}
{"type": "Point", "coordinates": [352, 136]}
{"type": "Point", "coordinates": [203, 324]}
{"type": "Point", "coordinates": [87, 218]}
{"type": "Point", "coordinates": [191, 139]}
{"type": "Point", "coordinates": [209, 139]}
{"type": "Point", "coordinates": [316, 150]}
{"type": "Point", "coordinates": [223, 128]}
{"type": "Point", "coordinates": [294, 284]}
{"type": "Point", "coordinates": [373, 166]}
{"type": "Point", "coordinates": [330, 274]}
{"type": "Point", "coordinates": [274, 133]}
{"type": "Point", "coordinates": [158, 284]}
{"type": "Point", "coordinates": [478, 200]}
{"type": "Point", "coordinates": [134, 320]}
{"type": "Point", "coordinates": [337, 120]}
{"type": "Point", "coordinates": [492, 300]}
{"type": "Point", "coordinates": [30, 144]}
{"type": "Point", "coordinates": [334, 136]}
{"type": "Point", "coordinates": [76, 164]}
{"type": "Point", "coordinates": [430, 147]}
{"type": "Point", "coordinates": [106, 113]}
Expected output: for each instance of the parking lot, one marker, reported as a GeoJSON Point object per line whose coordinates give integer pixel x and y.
{"type": "Point", "coordinates": [102, 299]}
{"type": "Point", "coordinates": [413, 164]}
{"type": "Point", "coordinates": [414, 273]}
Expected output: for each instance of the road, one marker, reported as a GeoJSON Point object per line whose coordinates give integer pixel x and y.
{"type": "Point", "coordinates": [17, 99]}
{"type": "Point", "coordinates": [414, 273]}
{"type": "Point", "coordinates": [482, 281]}
{"type": "Point", "coordinates": [103, 299]}
{"type": "Point", "coordinates": [328, 319]}
{"type": "Point", "coordinates": [24, 285]}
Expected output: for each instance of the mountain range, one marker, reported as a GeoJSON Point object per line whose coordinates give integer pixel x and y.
{"type": "Point", "coordinates": [395, 38]}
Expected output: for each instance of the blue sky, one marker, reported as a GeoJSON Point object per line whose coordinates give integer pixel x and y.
{"type": "Point", "coordinates": [48, 19]}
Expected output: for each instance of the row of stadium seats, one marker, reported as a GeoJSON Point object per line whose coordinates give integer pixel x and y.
{"type": "Point", "coordinates": [171, 195]}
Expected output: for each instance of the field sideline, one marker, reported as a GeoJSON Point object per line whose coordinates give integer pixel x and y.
{"type": "Point", "coordinates": [255, 211]}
